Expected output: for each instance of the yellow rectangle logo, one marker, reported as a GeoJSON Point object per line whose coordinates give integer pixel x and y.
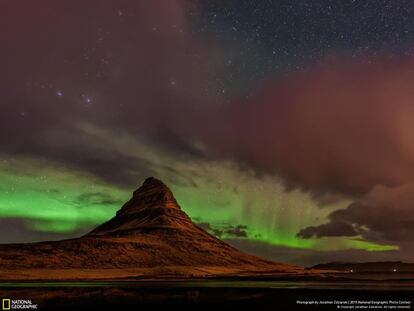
{"type": "Point", "coordinates": [5, 304]}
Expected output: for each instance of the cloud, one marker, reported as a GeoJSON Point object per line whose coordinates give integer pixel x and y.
{"type": "Point", "coordinates": [319, 129]}
{"type": "Point", "coordinates": [144, 77]}
{"type": "Point", "coordinates": [225, 231]}
{"type": "Point", "coordinates": [338, 228]}
{"type": "Point", "coordinates": [342, 125]}
{"type": "Point", "coordinates": [384, 215]}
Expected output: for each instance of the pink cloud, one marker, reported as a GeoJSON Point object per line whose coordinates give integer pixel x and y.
{"type": "Point", "coordinates": [340, 125]}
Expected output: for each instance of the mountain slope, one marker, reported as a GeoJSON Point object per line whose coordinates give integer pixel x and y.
{"type": "Point", "coordinates": [152, 207]}
{"type": "Point", "coordinates": [150, 236]}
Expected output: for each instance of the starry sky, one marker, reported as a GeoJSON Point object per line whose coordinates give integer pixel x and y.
{"type": "Point", "coordinates": [283, 127]}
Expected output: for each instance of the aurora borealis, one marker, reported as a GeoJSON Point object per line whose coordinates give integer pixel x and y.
{"type": "Point", "coordinates": [283, 127]}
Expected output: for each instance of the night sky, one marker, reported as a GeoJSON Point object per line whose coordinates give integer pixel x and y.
{"type": "Point", "coordinates": [284, 127]}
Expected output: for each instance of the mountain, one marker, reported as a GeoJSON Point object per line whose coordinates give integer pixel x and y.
{"type": "Point", "coordinates": [149, 237]}
{"type": "Point", "coordinates": [381, 266]}
{"type": "Point", "coordinates": [152, 207]}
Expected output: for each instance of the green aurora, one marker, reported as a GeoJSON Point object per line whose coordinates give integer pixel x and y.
{"type": "Point", "coordinates": [52, 198]}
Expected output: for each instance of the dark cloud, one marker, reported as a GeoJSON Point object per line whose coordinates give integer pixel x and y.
{"type": "Point", "coordinates": [204, 225]}
{"type": "Point", "coordinates": [239, 231]}
{"type": "Point", "coordinates": [225, 231]}
{"type": "Point", "coordinates": [384, 215]}
{"type": "Point", "coordinates": [339, 228]}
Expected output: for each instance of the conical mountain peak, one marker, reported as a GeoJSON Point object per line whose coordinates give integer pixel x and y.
{"type": "Point", "coordinates": [152, 206]}
{"type": "Point", "coordinates": [152, 183]}
{"type": "Point", "coordinates": [153, 192]}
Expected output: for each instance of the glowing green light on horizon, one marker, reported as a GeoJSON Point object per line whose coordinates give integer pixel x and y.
{"type": "Point", "coordinates": [55, 199]}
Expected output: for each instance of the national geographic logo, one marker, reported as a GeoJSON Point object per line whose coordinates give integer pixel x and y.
{"type": "Point", "coordinates": [17, 304]}
{"type": "Point", "coordinates": [5, 304]}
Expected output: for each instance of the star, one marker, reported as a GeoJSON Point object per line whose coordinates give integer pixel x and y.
{"type": "Point", "coordinates": [87, 99]}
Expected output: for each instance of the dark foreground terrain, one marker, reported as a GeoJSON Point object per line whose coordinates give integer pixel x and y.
{"type": "Point", "coordinates": [280, 295]}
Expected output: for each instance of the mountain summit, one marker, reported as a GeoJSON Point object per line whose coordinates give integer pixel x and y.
{"type": "Point", "coordinates": [152, 206]}
{"type": "Point", "coordinates": [149, 237]}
